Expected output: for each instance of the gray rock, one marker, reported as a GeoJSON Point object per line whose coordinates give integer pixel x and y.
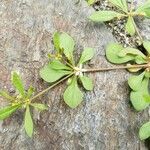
{"type": "Point", "coordinates": [105, 119]}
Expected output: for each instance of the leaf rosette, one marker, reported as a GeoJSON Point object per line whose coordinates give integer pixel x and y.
{"type": "Point", "coordinates": [21, 100]}
{"type": "Point", "coordinates": [66, 66]}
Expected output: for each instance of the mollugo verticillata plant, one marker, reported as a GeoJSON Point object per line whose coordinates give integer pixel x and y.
{"type": "Point", "coordinates": [62, 66]}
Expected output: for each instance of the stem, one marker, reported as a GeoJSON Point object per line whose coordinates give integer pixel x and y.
{"type": "Point", "coordinates": [116, 68]}
{"type": "Point", "coordinates": [47, 89]}
{"type": "Point", "coordinates": [137, 31]}
{"type": "Point", "coordinates": [69, 64]}
{"type": "Point", "coordinates": [89, 70]}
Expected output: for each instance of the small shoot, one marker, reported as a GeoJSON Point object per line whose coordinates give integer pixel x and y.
{"type": "Point", "coordinates": [21, 100]}
{"type": "Point", "coordinates": [66, 67]}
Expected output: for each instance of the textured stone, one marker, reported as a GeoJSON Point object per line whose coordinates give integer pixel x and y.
{"type": "Point", "coordinates": [104, 121]}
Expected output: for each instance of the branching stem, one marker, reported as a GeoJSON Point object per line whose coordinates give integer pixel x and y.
{"type": "Point", "coordinates": [116, 68]}
{"type": "Point", "coordinates": [89, 70]}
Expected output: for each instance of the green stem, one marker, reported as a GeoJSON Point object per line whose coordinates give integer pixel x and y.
{"type": "Point", "coordinates": [137, 31]}
{"type": "Point", "coordinates": [47, 89]}
{"type": "Point", "coordinates": [116, 68]}
{"type": "Point", "coordinates": [69, 64]}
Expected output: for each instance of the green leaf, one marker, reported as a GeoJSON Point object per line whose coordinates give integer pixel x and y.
{"type": "Point", "coordinates": [17, 83]}
{"type": "Point", "coordinates": [38, 106]}
{"type": "Point", "coordinates": [144, 9]}
{"type": "Point", "coordinates": [137, 97]}
{"type": "Point", "coordinates": [144, 132]}
{"type": "Point", "coordinates": [121, 4]}
{"type": "Point", "coordinates": [140, 60]}
{"type": "Point", "coordinates": [146, 45]}
{"type": "Point", "coordinates": [147, 12]}
{"type": "Point", "coordinates": [56, 37]}
{"type": "Point", "coordinates": [51, 75]}
{"type": "Point", "coordinates": [7, 111]}
{"type": "Point", "coordinates": [131, 51]}
{"type": "Point", "coordinates": [102, 16]}
{"type": "Point", "coordinates": [67, 44]}
{"type": "Point", "coordinates": [6, 95]}
{"type": "Point", "coordinates": [136, 81]}
{"type": "Point", "coordinates": [133, 69]}
{"type": "Point", "coordinates": [147, 98]}
{"type": "Point", "coordinates": [112, 52]}
{"type": "Point", "coordinates": [72, 95]}
{"type": "Point", "coordinates": [87, 82]}
{"type": "Point", "coordinates": [30, 92]}
{"type": "Point", "coordinates": [87, 54]}
{"type": "Point", "coordinates": [28, 123]}
{"type": "Point", "coordinates": [57, 65]}
{"type": "Point", "coordinates": [147, 74]}
{"type": "Point", "coordinates": [130, 26]}
{"type": "Point", "coordinates": [90, 2]}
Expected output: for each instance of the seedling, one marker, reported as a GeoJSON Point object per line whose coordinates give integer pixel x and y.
{"type": "Point", "coordinates": [123, 11]}
{"type": "Point", "coordinates": [21, 100]}
{"type": "Point", "coordinates": [138, 83]}
{"type": "Point", "coordinates": [63, 64]}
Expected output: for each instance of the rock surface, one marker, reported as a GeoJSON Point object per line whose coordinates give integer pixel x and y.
{"type": "Point", "coordinates": [104, 121]}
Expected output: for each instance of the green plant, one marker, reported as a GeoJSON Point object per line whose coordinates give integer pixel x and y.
{"type": "Point", "coordinates": [123, 11]}
{"type": "Point", "coordinates": [115, 53]}
{"type": "Point", "coordinates": [62, 64]}
{"type": "Point", "coordinates": [21, 100]}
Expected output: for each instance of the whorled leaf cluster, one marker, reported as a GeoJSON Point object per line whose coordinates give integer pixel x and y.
{"type": "Point", "coordinates": [65, 65]}
{"type": "Point", "coordinates": [20, 100]}
{"type": "Point", "coordinates": [123, 11]}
